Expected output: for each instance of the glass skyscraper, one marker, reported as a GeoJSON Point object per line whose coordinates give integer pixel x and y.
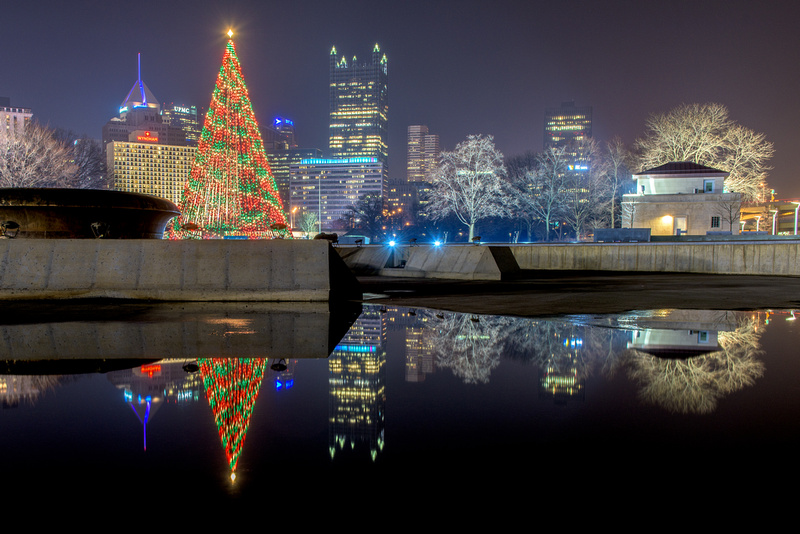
{"type": "Point", "coordinates": [359, 106]}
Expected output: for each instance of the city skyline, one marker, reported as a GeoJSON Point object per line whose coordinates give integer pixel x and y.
{"type": "Point", "coordinates": [480, 69]}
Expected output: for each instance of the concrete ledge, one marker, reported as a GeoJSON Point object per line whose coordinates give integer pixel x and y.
{"type": "Point", "coordinates": [779, 258]}
{"type": "Point", "coordinates": [454, 262]}
{"type": "Point", "coordinates": [188, 270]}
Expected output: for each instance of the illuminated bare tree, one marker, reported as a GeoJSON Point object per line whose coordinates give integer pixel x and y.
{"type": "Point", "coordinates": [309, 223]}
{"type": "Point", "coordinates": [543, 188]}
{"type": "Point", "coordinates": [469, 345]}
{"type": "Point", "coordinates": [695, 385]}
{"type": "Point", "coordinates": [617, 175]}
{"type": "Point", "coordinates": [586, 194]}
{"type": "Point", "coordinates": [33, 157]}
{"type": "Point", "coordinates": [470, 183]}
{"type": "Point", "coordinates": [704, 134]}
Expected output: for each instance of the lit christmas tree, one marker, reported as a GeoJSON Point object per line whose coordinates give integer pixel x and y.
{"type": "Point", "coordinates": [231, 191]}
{"type": "Point", "coordinates": [232, 386]}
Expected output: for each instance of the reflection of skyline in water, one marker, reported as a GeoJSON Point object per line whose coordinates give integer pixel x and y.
{"type": "Point", "coordinates": [567, 361]}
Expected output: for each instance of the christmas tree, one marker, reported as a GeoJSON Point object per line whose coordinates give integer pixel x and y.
{"type": "Point", "coordinates": [230, 191]}
{"type": "Point", "coordinates": [232, 386]}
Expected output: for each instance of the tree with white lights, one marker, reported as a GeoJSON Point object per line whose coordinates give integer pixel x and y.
{"type": "Point", "coordinates": [470, 183]}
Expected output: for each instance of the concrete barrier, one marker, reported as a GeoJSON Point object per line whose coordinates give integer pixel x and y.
{"type": "Point", "coordinates": [758, 258]}
{"type": "Point", "coordinates": [498, 262]}
{"type": "Point", "coordinates": [181, 270]}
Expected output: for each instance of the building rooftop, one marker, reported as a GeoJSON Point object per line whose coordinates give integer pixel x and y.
{"type": "Point", "coordinates": [681, 168]}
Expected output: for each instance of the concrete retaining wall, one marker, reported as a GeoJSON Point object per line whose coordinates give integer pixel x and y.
{"type": "Point", "coordinates": [758, 258]}
{"type": "Point", "coordinates": [495, 262]}
{"type": "Point", "coordinates": [189, 270]}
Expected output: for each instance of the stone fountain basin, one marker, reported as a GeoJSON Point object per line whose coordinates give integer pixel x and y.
{"type": "Point", "coordinates": [53, 213]}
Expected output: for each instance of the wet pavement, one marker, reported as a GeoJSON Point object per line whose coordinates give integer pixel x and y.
{"type": "Point", "coordinates": [545, 293]}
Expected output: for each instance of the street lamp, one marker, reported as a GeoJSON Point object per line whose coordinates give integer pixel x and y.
{"type": "Point", "coordinates": [293, 212]}
{"type": "Point", "coordinates": [774, 218]}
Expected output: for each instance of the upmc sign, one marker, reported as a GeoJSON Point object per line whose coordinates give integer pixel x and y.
{"type": "Point", "coordinates": [148, 137]}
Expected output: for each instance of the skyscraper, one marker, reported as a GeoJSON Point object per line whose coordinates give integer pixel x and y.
{"type": "Point", "coordinates": [565, 127]}
{"type": "Point", "coordinates": [140, 111]}
{"type": "Point", "coordinates": [423, 151]}
{"type": "Point", "coordinates": [359, 106]}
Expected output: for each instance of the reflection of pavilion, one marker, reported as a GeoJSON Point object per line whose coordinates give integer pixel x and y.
{"type": "Point", "coordinates": [666, 343]}
{"type": "Point", "coordinates": [357, 387]}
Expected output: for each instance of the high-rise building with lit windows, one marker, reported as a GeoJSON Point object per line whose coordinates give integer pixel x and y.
{"type": "Point", "coordinates": [567, 124]}
{"type": "Point", "coordinates": [187, 118]}
{"type": "Point", "coordinates": [567, 127]}
{"type": "Point", "coordinates": [359, 107]}
{"type": "Point", "coordinates": [330, 187]}
{"type": "Point", "coordinates": [143, 165]}
{"type": "Point", "coordinates": [423, 152]}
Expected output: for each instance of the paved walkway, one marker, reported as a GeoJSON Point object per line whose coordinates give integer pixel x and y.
{"type": "Point", "coordinates": [573, 292]}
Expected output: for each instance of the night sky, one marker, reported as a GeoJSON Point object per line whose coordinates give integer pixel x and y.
{"type": "Point", "coordinates": [461, 67]}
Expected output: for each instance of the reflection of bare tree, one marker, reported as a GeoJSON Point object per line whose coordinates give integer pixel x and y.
{"type": "Point", "coordinates": [25, 388]}
{"type": "Point", "coordinates": [470, 345]}
{"type": "Point", "coordinates": [695, 385]}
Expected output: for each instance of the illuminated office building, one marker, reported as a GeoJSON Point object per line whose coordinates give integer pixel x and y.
{"type": "Point", "coordinates": [143, 165]}
{"type": "Point", "coordinates": [140, 111]}
{"type": "Point", "coordinates": [565, 127]}
{"type": "Point", "coordinates": [13, 120]}
{"type": "Point", "coordinates": [423, 153]}
{"type": "Point", "coordinates": [359, 106]}
{"type": "Point", "coordinates": [285, 129]}
{"type": "Point", "coordinates": [280, 163]}
{"type": "Point", "coordinates": [329, 187]}
{"type": "Point", "coordinates": [187, 118]}
{"type": "Point", "coordinates": [357, 388]}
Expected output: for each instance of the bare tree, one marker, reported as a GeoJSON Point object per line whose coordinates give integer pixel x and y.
{"type": "Point", "coordinates": [517, 169]}
{"type": "Point", "coordinates": [33, 157]}
{"type": "Point", "coordinates": [368, 214]}
{"type": "Point", "coordinates": [703, 133]}
{"type": "Point", "coordinates": [91, 171]}
{"type": "Point", "coordinates": [729, 211]}
{"type": "Point", "coordinates": [586, 194]}
{"type": "Point", "coordinates": [617, 175]}
{"type": "Point", "coordinates": [544, 187]}
{"type": "Point", "coordinates": [470, 183]}
{"type": "Point", "coordinates": [309, 222]}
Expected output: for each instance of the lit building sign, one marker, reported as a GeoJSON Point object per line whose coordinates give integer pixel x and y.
{"type": "Point", "coordinates": [148, 137]}
{"type": "Point", "coordinates": [180, 109]}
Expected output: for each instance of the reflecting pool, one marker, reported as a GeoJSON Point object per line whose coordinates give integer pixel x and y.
{"type": "Point", "coordinates": [264, 403]}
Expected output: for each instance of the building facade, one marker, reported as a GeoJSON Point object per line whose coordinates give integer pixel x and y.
{"type": "Point", "coordinates": [143, 165]}
{"type": "Point", "coordinates": [280, 163]}
{"type": "Point", "coordinates": [330, 187]}
{"type": "Point", "coordinates": [188, 118]}
{"type": "Point", "coordinates": [141, 111]}
{"type": "Point", "coordinates": [13, 120]}
{"type": "Point", "coordinates": [680, 198]}
{"type": "Point", "coordinates": [359, 107]}
{"type": "Point", "coordinates": [566, 127]}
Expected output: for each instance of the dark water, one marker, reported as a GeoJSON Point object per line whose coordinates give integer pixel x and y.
{"type": "Point", "coordinates": [411, 408]}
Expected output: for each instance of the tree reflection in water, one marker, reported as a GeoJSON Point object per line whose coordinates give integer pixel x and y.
{"type": "Point", "coordinates": [696, 384]}
{"type": "Point", "coordinates": [567, 352]}
{"type": "Point", "coordinates": [469, 345]}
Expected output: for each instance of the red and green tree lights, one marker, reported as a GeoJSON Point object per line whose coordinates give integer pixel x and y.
{"type": "Point", "coordinates": [231, 190]}
{"type": "Point", "coordinates": [232, 386]}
